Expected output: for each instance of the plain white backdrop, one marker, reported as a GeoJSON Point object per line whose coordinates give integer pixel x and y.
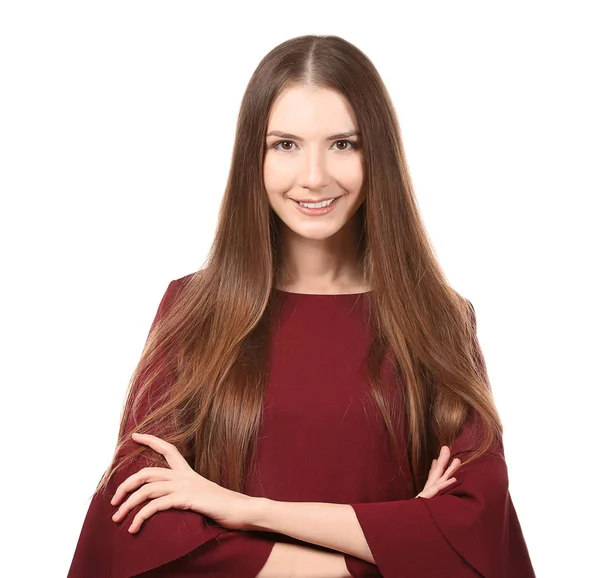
{"type": "Point", "coordinates": [116, 129]}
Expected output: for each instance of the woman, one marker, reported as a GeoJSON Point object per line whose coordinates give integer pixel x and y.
{"type": "Point", "coordinates": [314, 401]}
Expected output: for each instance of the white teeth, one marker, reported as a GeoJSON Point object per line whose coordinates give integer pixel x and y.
{"type": "Point", "coordinates": [316, 205]}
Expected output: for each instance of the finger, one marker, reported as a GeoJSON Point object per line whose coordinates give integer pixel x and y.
{"type": "Point", "coordinates": [436, 472]}
{"type": "Point", "coordinates": [444, 483]}
{"type": "Point", "coordinates": [143, 476]}
{"type": "Point", "coordinates": [169, 451]}
{"type": "Point", "coordinates": [433, 475]}
{"type": "Point", "coordinates": [447, 483]}
{"type": "Point", "coordinates": [158, 505]}
{"type": "Point", "coordinates": [435, 488]}
{"type": "Point", "coordinates": [442, 461]}
{"type": "Point", "coordinates": [456, 463]}
{"type": "Point", "coordinates": [154, 490]}
{"type": "Point", "coordinates": [430, 476]}
{"type": "Point", "coordinates": [428, 493]}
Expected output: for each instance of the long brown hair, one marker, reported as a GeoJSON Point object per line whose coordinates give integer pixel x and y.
{"type": "Point", "coordinates": [201, 378]}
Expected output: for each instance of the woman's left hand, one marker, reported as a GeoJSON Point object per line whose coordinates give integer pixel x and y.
{"type": "Point", "coordinates": [438, 479]}
{"type": "Point", "coordinates": [179, 487]}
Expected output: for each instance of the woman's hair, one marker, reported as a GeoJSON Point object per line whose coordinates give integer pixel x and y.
{"type": "Point", "coordinates": [201, 378]}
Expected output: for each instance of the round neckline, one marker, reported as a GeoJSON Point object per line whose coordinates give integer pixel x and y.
{"type": "Point", "coordinates": [323, 294]}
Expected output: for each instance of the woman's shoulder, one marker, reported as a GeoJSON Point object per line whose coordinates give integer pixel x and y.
{"type": "Point", "coordinates": [181, 281]}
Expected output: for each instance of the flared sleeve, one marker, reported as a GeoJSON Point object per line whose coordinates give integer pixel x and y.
{"type": "Point", "coordinates": [468, 529]}
{"type": "Point", "coordinates": [173, 543]}
{"type": "Point", "coordinates": [359, 568]}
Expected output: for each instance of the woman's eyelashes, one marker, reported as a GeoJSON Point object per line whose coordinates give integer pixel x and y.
{"type": "Point", "coordinates": [353, 145]}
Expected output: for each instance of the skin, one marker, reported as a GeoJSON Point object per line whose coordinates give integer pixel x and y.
{"type": "Point", "coordinates": [317, 250]}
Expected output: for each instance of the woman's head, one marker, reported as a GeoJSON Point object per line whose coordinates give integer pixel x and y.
{"type": "Point", "coordinates": [213, 340]}
{"type": "Point", "coordinates": [315, 87]}
{"type": "Point", "coordinates": [313, 154]}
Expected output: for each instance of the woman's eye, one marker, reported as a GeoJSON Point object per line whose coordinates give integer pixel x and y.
{"type": "Point", "coordinates": [352, 144]}
{"type": "Point", "coordinates": [276, 145]}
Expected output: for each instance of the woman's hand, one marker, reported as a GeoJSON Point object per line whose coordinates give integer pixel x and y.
{"type": "Point", "coordinates": [179, 487]}
{"type": "Point", "coordinates": [438, 479]}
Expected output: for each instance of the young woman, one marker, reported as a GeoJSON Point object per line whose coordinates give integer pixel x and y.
{"type": "Point", "coordinates": [314, 401]}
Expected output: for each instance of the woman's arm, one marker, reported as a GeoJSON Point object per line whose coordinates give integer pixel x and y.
{"type": "Point", "coordinates": [298, 561]}
{"type": "Point", "coordinates": [332, 526]}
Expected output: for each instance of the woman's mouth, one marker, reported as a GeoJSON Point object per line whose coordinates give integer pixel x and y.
{"type": "Point", "coordinates": [316, 209]}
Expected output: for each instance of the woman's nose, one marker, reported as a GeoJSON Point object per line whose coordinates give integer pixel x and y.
{"type": "Point", "coordinates": [314, 173]}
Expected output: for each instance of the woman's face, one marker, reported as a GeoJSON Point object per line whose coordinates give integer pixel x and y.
{"type": "Point", "coordinates": [312, 160]}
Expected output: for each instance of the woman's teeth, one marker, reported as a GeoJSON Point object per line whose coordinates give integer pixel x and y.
{"type": "Point", "coordinates": [316, 205]}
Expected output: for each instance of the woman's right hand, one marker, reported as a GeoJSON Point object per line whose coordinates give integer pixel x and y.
{"type": "Point", "coordinates": [438, 478]}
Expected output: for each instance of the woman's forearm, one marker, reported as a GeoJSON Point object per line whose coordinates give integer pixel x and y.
{"type": "Point", "coordinates": [330, 525]}
{"type": "Point", "coordinates": [298, 561]}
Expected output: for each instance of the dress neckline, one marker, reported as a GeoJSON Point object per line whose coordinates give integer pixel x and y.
{"type": "Point", "coordinates": [323, 294]}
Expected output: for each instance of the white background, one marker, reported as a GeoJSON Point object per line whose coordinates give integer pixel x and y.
{"type": "Point", "coordinates": [116, 129]}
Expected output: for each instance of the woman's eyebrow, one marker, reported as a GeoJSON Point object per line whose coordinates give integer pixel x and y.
{"type": "Point", "coordinates": [338, 136]}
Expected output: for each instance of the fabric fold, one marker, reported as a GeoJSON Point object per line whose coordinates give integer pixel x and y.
{"type": "Point", "coordinates": [468, 529]}
{"type": "Point", "coordinates": [359, 568]}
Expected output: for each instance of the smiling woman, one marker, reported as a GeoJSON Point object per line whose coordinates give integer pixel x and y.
{"type": "Point", "coordinates": [314, 401]}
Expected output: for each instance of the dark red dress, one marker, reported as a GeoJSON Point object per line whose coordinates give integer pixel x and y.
{"type": "Point", "coordinates": [322, 440]}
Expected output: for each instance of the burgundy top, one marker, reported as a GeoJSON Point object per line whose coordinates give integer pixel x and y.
{"type": "Point", "coordinates": [322, 440]}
